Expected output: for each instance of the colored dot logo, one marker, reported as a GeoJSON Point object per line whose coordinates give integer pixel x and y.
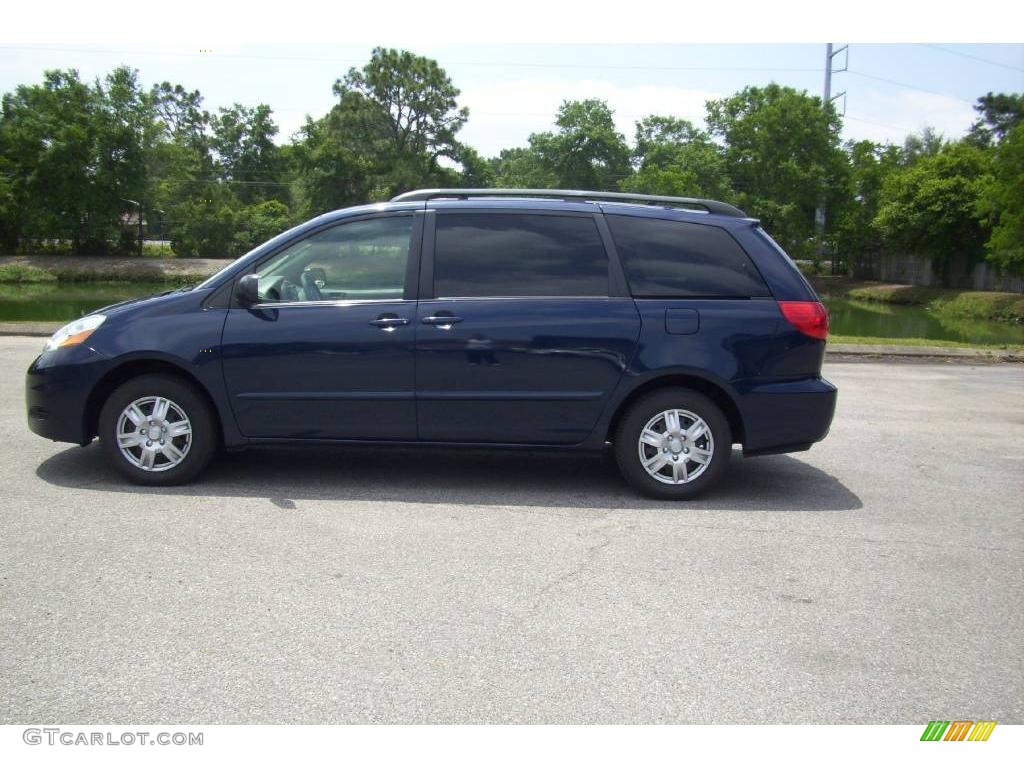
{"type": "Point", "coordinates": [958, 730]}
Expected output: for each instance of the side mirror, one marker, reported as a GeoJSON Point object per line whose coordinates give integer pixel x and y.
{"type": "Point", "coordinates": [249, 290]}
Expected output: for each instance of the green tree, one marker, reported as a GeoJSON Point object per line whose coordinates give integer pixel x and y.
{"type": "Point", "coordinates": [929, 208]}
{"type": "Point", "coordinates": [247, 157]}
{"type": "Point", "coordinates": [1002, 202]}
{"type": "Point", "coordinates": [255, 224]}
{"type": "Point", "coordinates": [395, 120]}
{"type": "Point", "coordinates": [79, 159]}
{"type": "Point", "coordinates": [330, 172]}
{"type": "Point", "coordinates": [522, 167]}
{"type": "Point", "coordinates": [48, 134]}
{"type": "Point", "coordinates": [126, 132]}
{"type": "Point", "coordinates": [181, 168]}
{"type": "Point", "coordinates": [783, 157]}
{"type": "Point", "coordinates": [476, 170]}
{"type": "Point", "coordinates": [673, 157]}
{"type": "Point", "coordinates": [918, 145]}
{"type": "Point", "coordinates": [586, 152]}
{"type": "Point", "coordinates": [855, 238]}
{"type": "Point", "coordinates": [76, 160]}
{"type": "Point", "coordinates": [180, 113]}
{"type": "Point", "coordinates": [8, 210]}
{"type": "Point", "coordinates": [998, 114]}
{"type": "Point", "coordinates": [206, 226]}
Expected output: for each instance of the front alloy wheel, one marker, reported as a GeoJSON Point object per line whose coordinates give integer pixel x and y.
{"type": "Point", "coordinates": [158, 430]}
{"type": "Point", "coordinates": [154, 434]}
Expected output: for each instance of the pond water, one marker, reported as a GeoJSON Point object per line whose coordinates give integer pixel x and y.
{"type": "Point", "coordinates": [52, 302]}
{"type": "Point", "coordinates": [67, 301]}
{"type": "Point", "coordinates": [892, 321]}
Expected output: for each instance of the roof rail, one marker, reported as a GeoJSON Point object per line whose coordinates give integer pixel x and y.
{"type": "Point", "coordinates": [711, 206]}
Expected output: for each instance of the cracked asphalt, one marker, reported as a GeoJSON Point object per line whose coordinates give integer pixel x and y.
{"type": "Point", "coordinates": [878, 578]}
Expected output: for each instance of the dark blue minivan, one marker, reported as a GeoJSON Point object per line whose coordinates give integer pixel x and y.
{"type": "Point", "coordinates": [671, 328]}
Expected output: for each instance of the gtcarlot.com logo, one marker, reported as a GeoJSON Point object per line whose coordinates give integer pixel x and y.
{"type": "Point", "coordinates": [55, 736]}
{"type": "Point", "coordinates": [958, 730]}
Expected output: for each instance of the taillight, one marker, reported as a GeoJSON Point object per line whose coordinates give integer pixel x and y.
{"type": "Point", "coordinates": [808, 317]}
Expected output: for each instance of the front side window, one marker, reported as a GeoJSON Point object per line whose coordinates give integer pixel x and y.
{"type": "Point", "coordinates": [511, 254]}
{"type": "Point", "coordinates": [359, 260]}
{"type": "Point", "coordinates": [664, 258]}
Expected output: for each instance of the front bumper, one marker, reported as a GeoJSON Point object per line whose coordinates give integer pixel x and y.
{"type": "Point", "coordinates": [57, 387]}
{"type": "Point", "coordinates": [782, 417]}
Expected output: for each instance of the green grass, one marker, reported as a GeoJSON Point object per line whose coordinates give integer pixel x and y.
{"type": "Point", "coordinates": [25, 273]}
{"type": "Point", "coordinates": [150, 250]}
{"type": "Point", "coordinates": [157, 251]}
{"type": "Point", "coordinates": [988, 304]}
{"type": "Point", "coordinates": [132, 275]}
{"type": "Point", "coordinates": [835, 338]}
{"type": "Point", "coordinates": [980, 305]}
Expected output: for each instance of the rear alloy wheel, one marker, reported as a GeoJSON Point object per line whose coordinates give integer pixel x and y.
{"type": "Point", "coordinates": [673, 444]}
{"type": "Point", "coordinates": [156, 430]}
{"type": "Point", "coordinates": [676, 446]}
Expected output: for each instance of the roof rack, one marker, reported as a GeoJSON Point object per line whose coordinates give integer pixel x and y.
{"type": "Point", "coordinates": [711, 206]}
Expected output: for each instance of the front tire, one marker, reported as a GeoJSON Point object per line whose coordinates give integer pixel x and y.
{"type": "Point", "coordinates": [673, 444]}
{"type": "Point", "coordinates": [157, 430]}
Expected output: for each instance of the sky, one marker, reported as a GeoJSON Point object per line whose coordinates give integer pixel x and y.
{"type": "Point", "coordinates": [513, 90]}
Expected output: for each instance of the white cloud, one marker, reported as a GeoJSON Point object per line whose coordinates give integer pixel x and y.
{"type": "Point", "coordinates": [504, 114]}
{"type": "Point", "coordinates": [891, 116]}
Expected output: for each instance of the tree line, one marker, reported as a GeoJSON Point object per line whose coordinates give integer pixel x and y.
{"type": "Point", "coordinates": [81, 163]}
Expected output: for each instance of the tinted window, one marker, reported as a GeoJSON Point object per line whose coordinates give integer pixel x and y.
{"type": "Point", "coordinates": [674, 258]}
{"type": "Point", "coordinates": [505, 254]}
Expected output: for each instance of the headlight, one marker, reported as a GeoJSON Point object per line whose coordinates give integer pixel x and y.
{"type": "Point", "coordinates": [75, 333]}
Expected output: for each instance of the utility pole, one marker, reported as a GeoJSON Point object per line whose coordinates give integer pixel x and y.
{"type": "Point", "coordinates": [138, 207]}
{"type": "Point", "coordinates": [826, 99]}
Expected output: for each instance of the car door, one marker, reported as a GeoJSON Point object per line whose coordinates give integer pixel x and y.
{"type": "Point", "coordinates": [524, 330]}
{"type": "Point", "coordinates": [328, 351]}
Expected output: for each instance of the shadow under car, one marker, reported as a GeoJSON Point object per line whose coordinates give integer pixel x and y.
{"type": "Point", "coordinates": [461, 477]}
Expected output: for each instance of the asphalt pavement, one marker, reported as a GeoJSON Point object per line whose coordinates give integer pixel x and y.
{"type": "Point", "coordinates": [878, 578]}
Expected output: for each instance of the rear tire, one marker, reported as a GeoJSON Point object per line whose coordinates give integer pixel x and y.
{"type": "Point", "coordinates": [673, 444]}
{"type": "Point", "coordinates": [158, 430]}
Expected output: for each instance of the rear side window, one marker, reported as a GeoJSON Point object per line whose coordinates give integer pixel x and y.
{"type": "Point", "coordinates": [511, 254]}
{"type": "Point", "coordinates": [676, 259]}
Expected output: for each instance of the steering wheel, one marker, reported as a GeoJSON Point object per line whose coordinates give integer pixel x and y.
{"type": "Point", "coordinates": [310, 288]}
{"type": "Point", "coordinates": [285, 291]}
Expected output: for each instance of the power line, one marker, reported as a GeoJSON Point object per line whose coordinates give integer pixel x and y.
{"type": "Point", "coordinates": [221, 181]}
{"type": "Point", "coordinates": [908, 86]}
{"type": "Point", "coordinates": [235, 181]}
{"type": "Point", "coordinates": [326, 59]}
{"type": "Point", "coordinates": [512, 64]}
{"type": "Point", "coordinates": [516, 64]}
{"type": "Point", "coordinates": [972, 56]}
{"type": "Point", "coordinates": [199, 181]}
{"type": "Point", "coordinates": [881, 125]}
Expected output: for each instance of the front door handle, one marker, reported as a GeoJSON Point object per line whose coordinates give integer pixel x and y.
{"type": "Point", "coordinates": [443, 322]}
{"type": "Point", "coordinates": [389, 322]}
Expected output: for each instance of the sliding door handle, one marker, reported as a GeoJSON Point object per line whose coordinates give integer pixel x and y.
{"type": "Point", "coordinates": [441, 321]}
{"type": "Point", "coordinates": [387, 322]}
